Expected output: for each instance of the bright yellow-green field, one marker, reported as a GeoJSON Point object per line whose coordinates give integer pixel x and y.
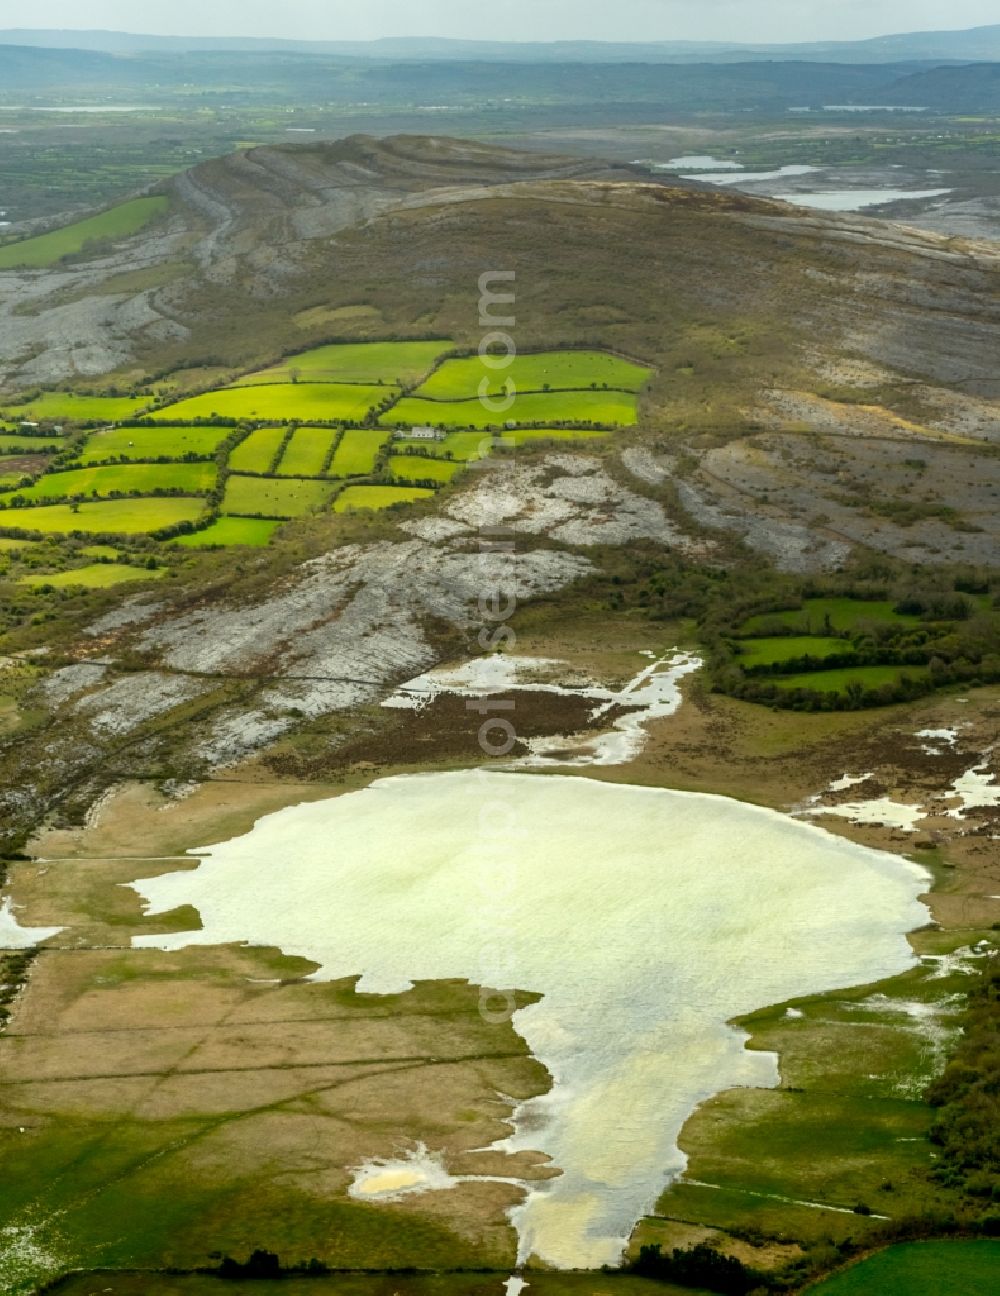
{"type": "Point", "coordinates": [281, 402]}
{"type": "Point", "coordinates": [117, 517]}
{"type": "Point", "coordinates": [258, 451]}
{"type": "Point", "coordinates": [14, 546]}
{"type": "Point", "coordinates": [608, 408]}
{"type": "Point", "coordinates": [418, 468]}
{"type": "Point", "coordinates": [268, 497]}
{"type": "Point", "coordinates": [47, 249]}
{"type": "Point", "coordinates": [252, 532]}
{"type": "Point", "coordinates": [378, 497]}
{"type": "Point", "coordinates": [99, 576]}
{"type": "Point", "coordinates": [191, 478]}
{"type": "Point", "coordinates": [560, 370]}
{"type": "Point", "coordinates": [307, 452]}
{"type": "Point", "coordinates": [358, 450]}
{"type": "Point", "coordinates": [355, 362]}
{"type": "Point", "coordinates": [70, 408]}
{"type": "Point", "coordinates": [107, 552]}
{"type": "Point", "coordinates": [151, 443]}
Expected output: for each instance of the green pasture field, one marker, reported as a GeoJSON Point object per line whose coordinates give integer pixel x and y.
{"type": "Point", "coordinates": [418, 468]}
{"type": "Point", "coordinates": [251, 532]}
{"type": "Point", "coordinates": [258, 451]}
{"type": "Point", "coordinates": [69, 407]}
{"type": "Point", "coordinates": [97, 576]}
{"type": "Point", "coordinates": [358, 450]}
{"type": "Point", "coordinates": [609, 408]}
{"type": "Point", "coordinates": [378, 497]}
{"type": "Point", "coordinates": [844, 614]}
{"type": "Point", "coordinates": [306, 453]}
{"type": "Point", "coordinates": [122, 517]}
{"type": "Point", "coordinates": [836, 681]}
{"type": "Point", "coordinates": [280, 402]}
{"type": "Point", "coordinates": [8, 545]}
{"type": "Point", "coordinates": [191, 478]}
{"type": "Point", "coordinates": [463, 446]}
{"type": "Point", "coordinates": [354, 362]}
{"type": "Point", "coordinates": [46, 249]}
{"type": "Point", "coordinates": [269, 497]}
{"type": "Point", "coordinates": [106, 552]}
{"type": "Point", "coordinates": [561, 370]}
{"type": "Point", "coordinates": [921, 1269]}
{"type": "Point", "coordinates": [151, 443]}
{"type": "Point", "coordinates": [765, 652]}
{"type": "Point", "coordinates": [29, 445]}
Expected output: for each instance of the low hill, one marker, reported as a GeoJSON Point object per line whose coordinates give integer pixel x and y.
{"type": "Point", "coordinates": [975, 43]}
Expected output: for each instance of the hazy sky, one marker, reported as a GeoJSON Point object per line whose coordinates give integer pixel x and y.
{"type": "Point", "coordinates": [744, 20]}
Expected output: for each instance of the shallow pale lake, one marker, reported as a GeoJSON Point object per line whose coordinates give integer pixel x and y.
{"type": "Point", "coordinates": [646, 918]}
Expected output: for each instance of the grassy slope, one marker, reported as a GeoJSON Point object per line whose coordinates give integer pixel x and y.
{"type": "Point", "coordinates": [191, 478]}
{"type": "Point", "coordinates": [921, 1269]}
{"type": "Point", "coordinates": [611, 409]}
{"type": "Point", "coordinates": [284, 497]}
{"type": "Point", "coordinates": [307, 452]}
{"type": "Point", "coordinates": [361, 362]}
{"type": "Point", "coordinates": [322, 402]}
{"type": "Point", "coordinates": [74, 408]}
{"type": "Point", "coordinates": [98, 576]}
{"type": "Point", "coordinates": [764, 652]}
{"type": "Point", "coordinates": [257, 452]}
{"type": "Point", "coordinates": [358, 450]}
{"type": "Point", "coordinates": [378, 497]}
{"type": "Point", "coordinates": [835, 681]}
{"type": "Point", "coordinates": [561, 370]}
{"type": "Point", "coordinates": [417, 468]}
{"type": "Point", "coordinates": [150, 443]}
{"type": "Point", "coordinates": [117, 222]}
{"type": "Point", "coordinates": [252, 532]}
{"type": "Point", "coordinates": [125, 517]}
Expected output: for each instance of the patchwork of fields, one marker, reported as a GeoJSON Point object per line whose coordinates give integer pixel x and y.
{"type": "Point", "coordinates": [301, 458]}
{"type": "Point", "coordinates": [837, 650]}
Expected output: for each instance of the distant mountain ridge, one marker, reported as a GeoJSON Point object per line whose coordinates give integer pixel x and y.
{"type": "Point", "coordinates": [977, 44]}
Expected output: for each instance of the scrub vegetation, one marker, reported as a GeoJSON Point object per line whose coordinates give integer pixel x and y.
{"type": "Point", "coordinates": [378, 497]}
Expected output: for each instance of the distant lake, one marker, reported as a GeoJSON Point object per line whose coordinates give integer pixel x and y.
{"type": "Point", "coordinates": [646, 919]}
{"type": "Point", "coordinates": [745, 177]}
{"type": "Point", "coordinates": [82, 108]}
{"type": "Point", "coordinates": [849, 200]}
{"type": "Point", "coordinates": [699, 162]}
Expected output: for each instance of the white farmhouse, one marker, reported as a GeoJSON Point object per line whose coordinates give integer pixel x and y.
{"type": "Point", "coordinates": [422, 434]}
